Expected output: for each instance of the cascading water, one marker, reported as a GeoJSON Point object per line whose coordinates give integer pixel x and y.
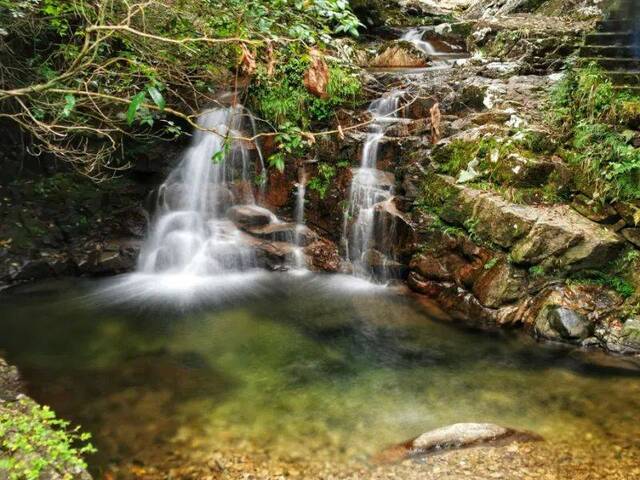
{"type": "Point", "coordinates": [369, 187]}
{"type": "Point", "coordinates": [191, 234]}
{"type": "Point", "coordinates": [194, 248]}
{"type": "Point", "coordinates": [414, 35]}
{"type": "Point", "coordinates": [440, 57]}
{"type": "Point", "coordinates": [301, 188]}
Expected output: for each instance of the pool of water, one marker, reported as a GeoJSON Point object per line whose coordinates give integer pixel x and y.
{"type": "Point", "coordinates": [297, 367]}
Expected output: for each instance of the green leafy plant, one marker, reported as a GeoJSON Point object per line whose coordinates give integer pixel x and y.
{"type": "Point", "coordinates": [537, 271]}
{"type": "Point", "coordinates": [491, 263]}
{"type": "Point", "coordinates": [91, 74]}
{"type": "Point", "coordinates": [34, 441]}
{"type": "Point", "coordinates": [322, 181]}
{"type": "Point", "coordinates": [593, 116]}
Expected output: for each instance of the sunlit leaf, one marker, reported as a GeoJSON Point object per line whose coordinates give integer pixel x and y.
{"type": "Point", "coordinates": [134, 106]}
{"type": "Point", "coordinates": [157, 97]}
{"type": "Point", "coordinates": [70, 103]}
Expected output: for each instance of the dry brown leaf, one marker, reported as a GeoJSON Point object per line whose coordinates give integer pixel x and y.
{"type": "Point", "coordinates": [271, 60]}
{"type": "Point", "coordinates": [247, 60]}
{"type": "Point", "coordinates": [316, 78]}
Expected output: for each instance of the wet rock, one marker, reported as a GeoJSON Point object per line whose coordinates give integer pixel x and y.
{"type": "Point", "coordinates": [10, 385]}
{"type": "Point", "coordinates": [324, 256]}
{"type": "Point", "coordinates": [458, 303]}
{"type": "Point", "coordinates": [433, 267]}
{"type": "Point", "coordinates": [594, 211]}
{"type": "Point", "coordinates": [630, 212]}
{"type": "Point", "coordinates": [632, 235]}
{"type": "Point", "coordinates": [116, 256]}
{"type": "Point", "coordinates": [570, 324]}
{"type": "Point", "coordinates": [280, 185]}
{"type": "Point", "coordinates": [574, 313]}
{"type": "Point", "coordinates": [630, 335]}
{"type": "Point", "coordinates": [284, 232]}
{"type": "Point", "coordinates": [393, 232]}
{"type": "Point", "coordinates": [557, 235]}
{"type": "Point", "coordinates": [383, 266]}
{"type": "Point", "coordinates": [274, 255]}
{"type": "Point", "coordinates": [500, 285]}
{"type": "Point", "coordinates": [456, 436]}
{"type": "Point", "coordinates": [32, 270]}
{"type": "Point", "coordinates": [399, 54]}
{"type": "Point", "coordinates": [250, 216]}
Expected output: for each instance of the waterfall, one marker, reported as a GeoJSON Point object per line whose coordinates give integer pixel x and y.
{"type": "Point", "coordinates": [442, 53]}
{"type": "Point", "coordinates": [301, 187]}
{"type": "Point", "coordinates": [191, 234]}
{"type": "Point", "coordinates": [369, 187]}
{"type": "Point", "coordinates": [414, 35]}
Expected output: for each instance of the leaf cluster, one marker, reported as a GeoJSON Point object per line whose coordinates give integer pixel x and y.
{"type": "Point", "coordinates": [34, 442]}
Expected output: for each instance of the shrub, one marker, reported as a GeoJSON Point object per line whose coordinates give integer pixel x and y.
{"type": "Point", "coordinates": [593, 116]}
{"type": "Point", "coordinates": [34, 442]}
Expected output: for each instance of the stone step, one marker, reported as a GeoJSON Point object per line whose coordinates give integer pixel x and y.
{"type": "Point", "coordinates": [630, 78]}
{"type": "Point", "coordinates": [611, 64]}
{"type": "Point", "coordinates": [607, 39]}
{"type": "Point", "coordinates": [631, 89]}
{"type": "Point", "coordinates": [609, 52]}
{"type": "Point", "coordinates": [615, 25]}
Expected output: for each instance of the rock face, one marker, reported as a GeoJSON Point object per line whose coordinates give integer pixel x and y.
{"type": "Point", "coordinates": [565, 322]}
{"type": "Point", "coordinates": [249, 216]}
{"type": "Point", "coordinates": [399, 55]}
{"type": "Point", "coordinates": [555, 237]}
{"type": "Point", "coordinates": [10, 385]}
{"type": "Point", "coordinates": [456, 436]}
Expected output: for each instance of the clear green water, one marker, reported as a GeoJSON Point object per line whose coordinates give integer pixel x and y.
{"type": "Point", "coordinates": [302, 366]}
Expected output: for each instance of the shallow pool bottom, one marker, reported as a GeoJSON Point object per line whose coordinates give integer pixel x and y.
{"type": "Point", "coordinates": [311, 372]}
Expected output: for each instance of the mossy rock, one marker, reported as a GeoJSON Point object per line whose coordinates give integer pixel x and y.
{"type": "Point", "coordinates": [629, 113]}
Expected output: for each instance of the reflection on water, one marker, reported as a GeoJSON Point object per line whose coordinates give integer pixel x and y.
{"type": "Point", "coordinates": [303, 366]}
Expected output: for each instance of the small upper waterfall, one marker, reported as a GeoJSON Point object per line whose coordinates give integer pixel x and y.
{"type": "Point", "coordinates": [414, 35]}
{"type": "Point", "coordinates": [369, 186]}
{"type": "Point", "coordinates": [191, 233]}
{"type": "Point", "coordinates": [441, 52]}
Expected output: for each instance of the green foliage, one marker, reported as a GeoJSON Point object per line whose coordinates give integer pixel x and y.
{"type": "Point", "coordinates": [537, 271]}
{"type": "Point", "coordinates": [322, 181]}
{"type": "Point", "coordinates": [79, 87]}
{"type": "Point", "coordinates": [615, 282]}
{"type": "Point", "coordinates": [593, 115]}
{"type": "Point", "coordinates": [617, 277]}
{"type": "Point", "coordinates": [281, 99]}
{"type": "Point", "coordinates": [282, 96]}
{"type": "Point", "coordinates": [33, 441]}
{"type": "Point", "coordinates": [291, 143]}
{"type": "Point", "coordinates": [491, 263]}
{"type": "Point", "coordinates": [470, 224]}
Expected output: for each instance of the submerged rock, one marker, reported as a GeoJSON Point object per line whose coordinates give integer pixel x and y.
{"type": "Point", "coordinates": [456, 436]}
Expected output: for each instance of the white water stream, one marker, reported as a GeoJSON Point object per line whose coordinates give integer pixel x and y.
{"type": "Point", "coordinates": [191, 234]}
{"type": "Point", "coordinates": [369, 186]}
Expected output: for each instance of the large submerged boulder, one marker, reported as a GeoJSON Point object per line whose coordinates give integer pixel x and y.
{"type": "Point", "coordinates": [456, 436]}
